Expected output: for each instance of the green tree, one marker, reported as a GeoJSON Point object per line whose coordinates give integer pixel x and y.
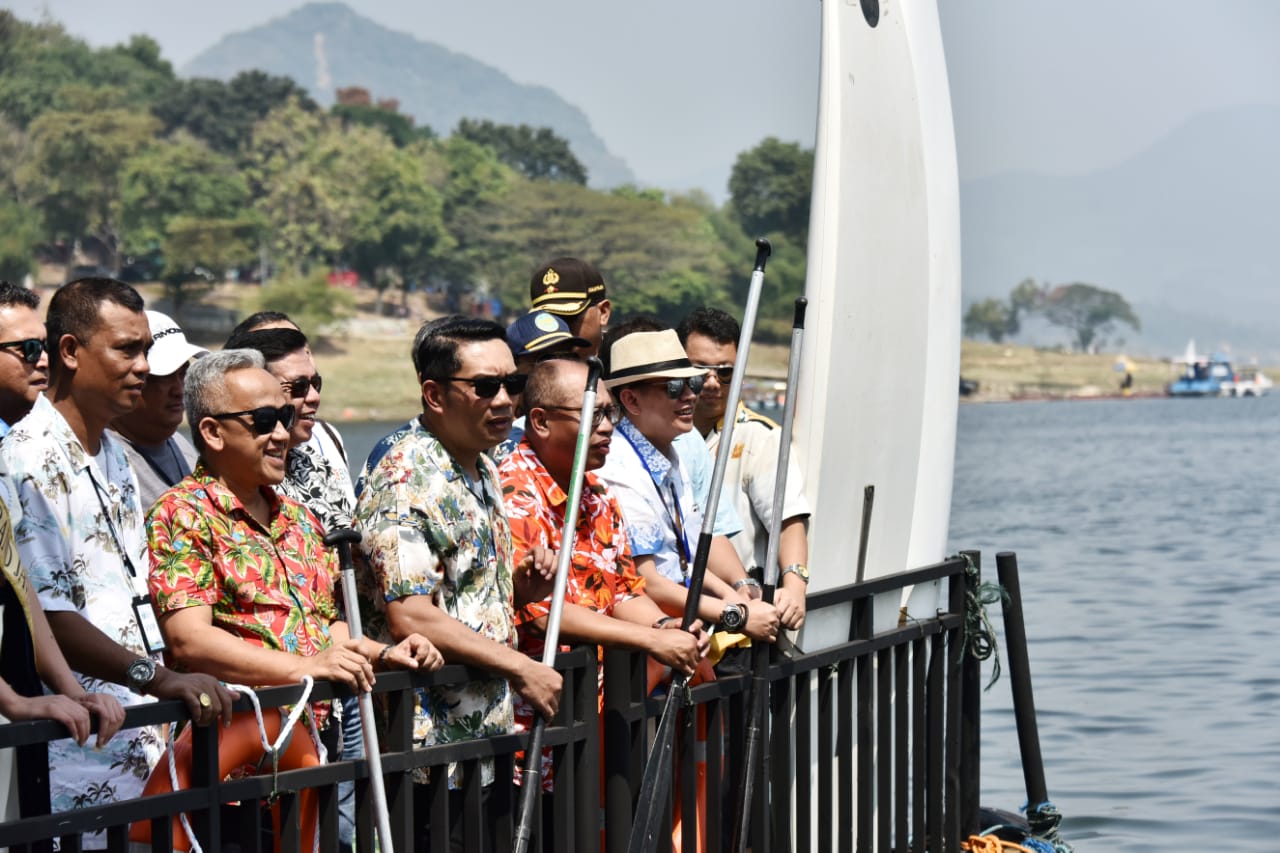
{"type": "Point", "coordinates": [309, 299]}
{"type": "Point", "coordinates": [197, 251]}
{"type": "Point", "coordinates": [19, 236]}
{"type": "Point", "coordinates": [769, 190]}
{"type": "Point", "coordinates": [536, 153]}
{"type": "Point", "coordinates": [1025, 299]}
{"type": "Point", "coordinates": [224, 114]}
{"type": "Point", "coordinates": [990, 317]}
{"type": "Point", "coordinates": [178, 176]}
{"type": "Point", "coordinates": [73, 175]}
{"type": "Point", "coordinates": [1088, 312]}
{"type": "Point", "coordinates": [398, 128]}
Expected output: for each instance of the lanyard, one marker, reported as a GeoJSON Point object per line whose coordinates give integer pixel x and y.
{"type": "Point", "coordinates": [111, 526]}
{"type": "Point", "coordinates": [673, 510]}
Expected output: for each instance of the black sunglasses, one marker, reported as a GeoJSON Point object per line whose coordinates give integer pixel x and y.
{"type": "Point", "coordinates": [298, 388]}
{"type": "Point", "coordinates": [264, 418]}
{"type": "Point", "coordinates": [723, 372]}
{"type": "Point", "coordinates": [31, 348]}
{"type": "Point", "coordinates": [487, 386]}
{"type": "Point", "coordinates": [608, 410]}
{"type": "Point", "coordinates": [675, 387]}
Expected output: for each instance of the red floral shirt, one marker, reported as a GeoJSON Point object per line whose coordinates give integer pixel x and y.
{"type": "Point", "coordinates": [272, 586]}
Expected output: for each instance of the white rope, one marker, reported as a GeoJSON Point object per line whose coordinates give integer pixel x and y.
{"type": "Point", "coordinates": [269, 749]}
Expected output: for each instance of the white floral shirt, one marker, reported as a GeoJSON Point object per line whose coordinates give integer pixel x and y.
{"type": "Point", "coordinates": [77, 513]}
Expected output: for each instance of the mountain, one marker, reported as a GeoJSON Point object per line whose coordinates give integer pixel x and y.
{"type": "Point", "coordinates": [326, 46]}
{"type": "Point", "coordinates": [1187, 231]}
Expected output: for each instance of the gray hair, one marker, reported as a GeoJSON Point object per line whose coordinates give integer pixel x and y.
{"type": "Point", "coordinates": [205, 386]}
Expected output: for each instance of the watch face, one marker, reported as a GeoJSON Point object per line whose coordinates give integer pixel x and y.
{"type": "Point", "coordinates": [141, 672]}
{"type": "Point", "coordinates": [732, 619]}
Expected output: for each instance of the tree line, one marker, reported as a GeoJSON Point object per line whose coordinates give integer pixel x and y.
{"type": "Point", "coordinates": [1088, 313]}
{"type": "Point", "coordinates": [199, 176]}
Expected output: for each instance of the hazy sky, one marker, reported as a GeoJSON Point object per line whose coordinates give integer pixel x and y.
{"type": "Point", "coordinates": [679, 88]}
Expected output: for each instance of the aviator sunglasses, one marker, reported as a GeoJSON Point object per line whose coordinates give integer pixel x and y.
{"type": "Point", "coordinates": [723, 372]}
{"type": "Point", "coordinates": [264, 418]}
{"type": "Point", "coordinates": [487, 386]}
{"type": "Point", "coordinates": [31, 348]}
{"type": "Point", "coordinates": [598, 415]}
{"type": "Point", "coordinates": [298, 388]}
{"type": "Point", "coordinates": [675, 387]}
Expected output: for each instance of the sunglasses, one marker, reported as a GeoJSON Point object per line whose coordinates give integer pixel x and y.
{"type": "Point", "coordinates": [263, 419]}
{"type": "Point", "coordinates": [487, 386]}
{"type": "Point", "coordinates": [723, 372]}
{"type": "Point", "coordinates": [31, 348]}
{"type": "Point", "coordinates": [299, 387]}
{"type": "Point", "coordinates": [608, 410]}
{"type": "Point", "coordinates": [675, 387]}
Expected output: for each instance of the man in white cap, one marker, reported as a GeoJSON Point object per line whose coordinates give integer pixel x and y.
{"type": "Point", "coordinates": [159, 455]}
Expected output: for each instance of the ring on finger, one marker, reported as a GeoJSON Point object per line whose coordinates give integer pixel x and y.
{"type": "Point", "coordinates": [205, 700]}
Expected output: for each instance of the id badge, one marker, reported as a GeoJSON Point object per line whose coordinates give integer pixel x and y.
{"type": "Point", "coordinates": [148, 624]}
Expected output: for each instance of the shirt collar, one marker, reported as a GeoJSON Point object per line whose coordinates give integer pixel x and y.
{"type": "Point", "coordinates": [225, 499]}
{"type": "Point", "coordinates": [653, 459]}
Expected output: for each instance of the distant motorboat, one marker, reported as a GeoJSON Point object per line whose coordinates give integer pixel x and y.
{"type": "Point", "coordinates": [1214, 376]}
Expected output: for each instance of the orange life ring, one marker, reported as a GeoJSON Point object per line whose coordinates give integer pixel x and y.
{"type": "Point", "coordinates": [238, 744]}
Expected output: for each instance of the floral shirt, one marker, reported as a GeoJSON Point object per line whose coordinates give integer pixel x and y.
{"type": "Point", "coordinates": [749, 476]}
{"type": "Point", "coordinates": [316, 476]}
{"type": "Point", "coordinates": [81, 530]}
{"type": "Point", "coordinates": [427, 533]}
{"type": "Point", "coordinates": [602, 574]}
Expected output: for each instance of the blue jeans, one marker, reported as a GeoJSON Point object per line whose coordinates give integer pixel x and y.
{"type": "Point", "coordinates": [352, 747]}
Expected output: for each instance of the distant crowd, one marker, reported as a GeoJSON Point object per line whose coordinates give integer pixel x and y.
{"type": "Point", "coordinates": [147, 566]}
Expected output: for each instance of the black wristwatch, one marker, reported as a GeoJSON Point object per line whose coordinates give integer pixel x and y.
{"type": "Point", "coordinates": [733, 617]}
{"type": "Point", "coordinates": [140, 674]}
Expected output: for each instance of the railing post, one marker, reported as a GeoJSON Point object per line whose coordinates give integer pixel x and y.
{"type": "Point", "coordinates": [619, 781]}
{"type": "Point", "coordinates": [587, 797]}
{"type": "Point", "coordinates": [962, 586]}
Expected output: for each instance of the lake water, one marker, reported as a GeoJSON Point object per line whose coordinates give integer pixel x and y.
{"type": "Point", "coordinates": [1150, 568]}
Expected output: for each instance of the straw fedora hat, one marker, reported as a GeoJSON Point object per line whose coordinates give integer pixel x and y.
{"type": "Point", "coordinates": [648, 355]}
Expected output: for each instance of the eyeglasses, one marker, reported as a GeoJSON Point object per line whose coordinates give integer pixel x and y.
{"type": "Point", "coordinates": [487, 386]}
{"type": "Point", "coordinates": [299, 387]}
{"type": "Point", "coordinates": [608, 410]}
{"type": "Point", "coordinates": [263, 419]}
{"type": "Point", "coordinates": [723, 372]}
{"type": "Point", "coordinates": [675, 387]}
{"type": "Point", "coordinates": [31, 348]}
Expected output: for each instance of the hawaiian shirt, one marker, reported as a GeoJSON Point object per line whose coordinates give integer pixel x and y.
{"type": "Point", "coordinates": [427, 533]}
{"type": "Point", "coordinates": [80, 532]}
{"type": "Point", "coordinates": [749, 478]}
{"type": "Point", "coordinates": [319, 482]}
{"type": "Point", "coordinates": [657, 500]}
{"type": "Point", "coordinates": [602, 573]}
{"type": "Point", "coordinates": [379, 450]}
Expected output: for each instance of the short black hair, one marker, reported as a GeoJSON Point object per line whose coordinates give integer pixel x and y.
{"type": "Point", "coordinates": [637, 323]}
{"type": "Point", "coordinates": [710, 323]}
{"type": "Point", "coordinates": [13, 295]}
{"type": "Point", "coordinates": [437, 354]}
{"type": "Point", "coordinates": [261, 318]}
{"type": "Point", "coordinates": [75, 309]}
{"type": "Point", "coordinates": [274, 344]}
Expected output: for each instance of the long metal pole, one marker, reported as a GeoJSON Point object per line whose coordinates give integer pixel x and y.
{"type": "Point", "coordinates": [644, 828]}
{"type": "Point", "coordinates": [531, 779]}
{"type": "Point", "coordinates": [343, 538]}
{"type": "Point", "coordinates": [759, 651]}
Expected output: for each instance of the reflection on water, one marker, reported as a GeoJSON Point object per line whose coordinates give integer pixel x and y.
{"type": "Point", "coordinates": [1150, 566]}
{"type": "Point", "coordinates": [1145, 531]}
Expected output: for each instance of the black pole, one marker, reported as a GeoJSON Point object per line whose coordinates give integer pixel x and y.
{"type": "Point", "coordinates": [1024, 705]}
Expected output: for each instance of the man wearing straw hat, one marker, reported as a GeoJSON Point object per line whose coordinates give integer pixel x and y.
{"type": "Point", "coordinates": [656, 386]}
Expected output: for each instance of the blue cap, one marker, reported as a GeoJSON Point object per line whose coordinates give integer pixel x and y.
{"type": "Point", "coordinates": [540, 330]}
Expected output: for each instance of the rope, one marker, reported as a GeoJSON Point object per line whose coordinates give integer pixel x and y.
{"type": "Point", "coordinates": [1044, 819]}
{"type": "Point", "coordinates": [270, 749]}
{"type": "Point", "coordinates": [978, 638]}
{"type": "Point", "coordinates": [991, 844]}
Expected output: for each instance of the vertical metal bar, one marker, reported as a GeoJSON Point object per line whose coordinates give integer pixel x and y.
{"type": "Point", "coordinates": [826, 759]}
{"type": "Point", "coordinates": [474, 831]}
{"type": "Point", "coordinates": [935, 713]}
{"type": "Point", "coordinates": [588, 796]}
{"type": "Point", "coordinates": [1024, 703]}
{"type": "Point", "coordinates": [919, 743]}
{"type": "Point", "coordinates": [618, 747]}
{"type": "Point", "coordinates": [884, 700]}
{"type": "Point", "coordinates": [901, 744]}
{"type": "Point", "coordinates": [970, 708]}
{"type": "Point", "coordinates": [865, 727]}
{"type": "Point", "coordinates": [289, 832]}
{"type": "Point", "coordinates": [782, 773]}
{"type": "Point", "coordinates": [718, 719]}
{"type": "Point", "coordinates": [851, 709]}
{"type": "Point", "coordinates": [688, 742]}
{"type": "Point", "coordinates": [951, 791]}
{"type": "Point", "coordinates": [327, 803]}
{"type": "Point", "coordinates": [405, 824]}
{"type": "Point", "coordinates": [804, 685]}
{"type": "Point", "coordinates": [204, 775]}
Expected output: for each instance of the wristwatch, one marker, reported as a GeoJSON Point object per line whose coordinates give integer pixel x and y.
{"type": "Point", "coordinates": [747, 581]}
{"type": "Point", "coordinates": [140, 674]}
{"type": "Point", "coordinates": [733, 617]}
{"type": "Point", "coordinates": [800, 570]}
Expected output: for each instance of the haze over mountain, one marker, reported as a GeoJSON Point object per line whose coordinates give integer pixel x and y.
{"type": "Point", "coordinates": [326, 46]}
{"type": "Point", "coordinates": [1174, 229]}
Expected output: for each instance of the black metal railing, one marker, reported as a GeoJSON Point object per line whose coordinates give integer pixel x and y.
{"type": "Point", "coordinates": [873, 746]}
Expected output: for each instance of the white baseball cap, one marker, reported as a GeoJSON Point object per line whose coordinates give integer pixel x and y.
{"type": "Point", "coordinates": [170, 349]}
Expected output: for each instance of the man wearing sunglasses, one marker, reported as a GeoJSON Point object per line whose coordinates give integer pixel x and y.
{"type": "Point", "coordinates": [81, 536]}
{"type": "Point", "coordinates": [437, 555]}
{"type": "Point", "coordinates": [656, 386]}
{"type": "Point", "coordinates": [605, 602]}
{"type": "Point", "coordinates": [24, 365]}
{"type": "Point", "coordinates": [710, 338]}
